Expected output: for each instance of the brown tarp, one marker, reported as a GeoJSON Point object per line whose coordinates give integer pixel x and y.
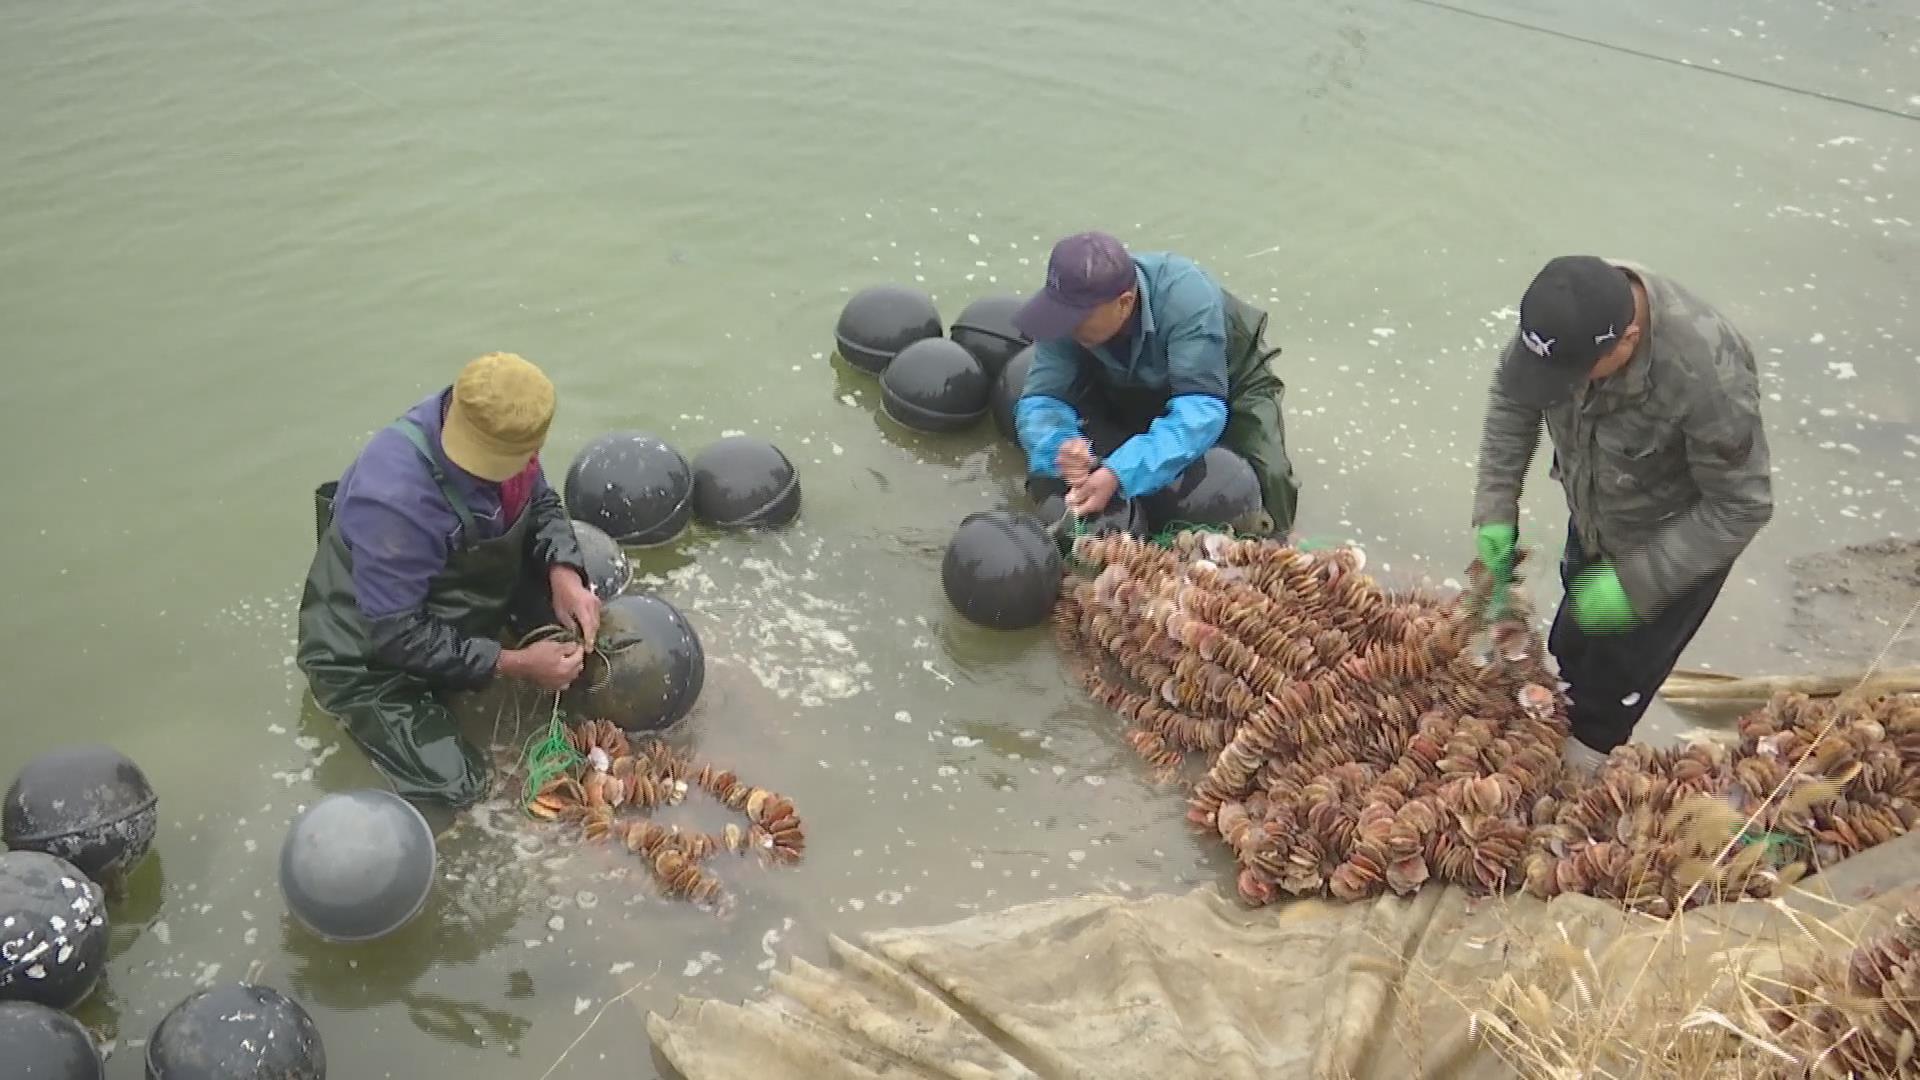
{"type": "Point", "coordinates": [1198, 986]}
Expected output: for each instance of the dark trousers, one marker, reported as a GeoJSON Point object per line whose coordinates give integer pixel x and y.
{"type": "Point", "coordinates": [1612, 676]}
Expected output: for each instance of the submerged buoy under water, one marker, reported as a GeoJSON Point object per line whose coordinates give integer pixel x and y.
{"type": "Point", "coordinates": [744, 482]}
{"type": "Point", "coordinates": [237, 1032]}
{"type": "Point", "coordinates": [53, 930]}
{"type": "Point", "coordinates": [633, 485]}
{"type": "Point", "coordinates": [39, 1043]}
{"type": "Point", "coordinates": [88, 804]}
{"type": "Point", "coordinates": [609, 571]}
{"type": "Point", "coordinates": [647, 670]}
{"type": "Point", "coordinates": [935, 385]}
{"type": "Point", "coordinates": [880, 321]}
{"type": "Point", "coordinates": [357, 865]}
{"type": "Point", "coordinates": [985, 329]}
{"type": "Point", "coordinates": [1220, 490]}
{"type": "Point", "coordinates": [1002, 570]}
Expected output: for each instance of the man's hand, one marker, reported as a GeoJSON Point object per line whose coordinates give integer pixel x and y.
{"type": "Point", "coordinates": [1091, 495]}
{"type": "Point", "coordinates": [1075, 461]}
{"type": "Point", "coordinates": [550, 665]}
{"type": "Point", "coordinates": [1600, 602]}
{"type": "Point", "coordinates": [574, 604]}
{"type": "Point", "coordinates": [1496, 542]}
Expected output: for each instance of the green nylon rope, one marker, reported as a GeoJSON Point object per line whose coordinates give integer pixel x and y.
{"type": "Point", "coordinates": [548, 753]}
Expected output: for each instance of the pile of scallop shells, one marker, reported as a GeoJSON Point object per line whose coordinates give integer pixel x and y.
{"type": "Point", "coordinates": [1358, 739]}
{"type": "Point", "coordinates": [1853, 1014]}
{"type": "Point", "coordinates": [613, 774]}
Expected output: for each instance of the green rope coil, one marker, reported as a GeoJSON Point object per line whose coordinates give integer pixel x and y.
{"type": "Point", "coordinates": [548, 753]}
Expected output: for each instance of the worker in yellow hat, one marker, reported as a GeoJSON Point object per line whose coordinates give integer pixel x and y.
{"type": "Point", "coordinates": [441, 527]}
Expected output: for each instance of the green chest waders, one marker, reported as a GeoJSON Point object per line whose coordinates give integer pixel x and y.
{"type": "Point", "coordinates": [397, 718]}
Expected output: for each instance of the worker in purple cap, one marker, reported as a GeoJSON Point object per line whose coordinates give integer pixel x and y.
{"type": "Point", "coordinates": [1141, 365]}
{"type": "Point", "coordinates": [1653, 405]}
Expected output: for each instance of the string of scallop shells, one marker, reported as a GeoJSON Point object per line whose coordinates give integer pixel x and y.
{"type": "Point", "coordinates": [615, 774]}
{"type": "Point", "coordinates": [1359, 740]}
{"type": "Point", "coordinates": [1853, 1014]}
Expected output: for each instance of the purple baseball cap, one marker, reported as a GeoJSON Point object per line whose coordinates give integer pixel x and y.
{"type": "Point", "coordinates": [1086, 270]}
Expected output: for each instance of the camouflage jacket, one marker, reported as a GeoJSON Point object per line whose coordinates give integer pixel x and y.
{"type": "Point", "coordinates": [1665, 463]}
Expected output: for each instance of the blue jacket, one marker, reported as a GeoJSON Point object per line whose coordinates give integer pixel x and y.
{"type": "Point", "coordinates": [1177, 346]}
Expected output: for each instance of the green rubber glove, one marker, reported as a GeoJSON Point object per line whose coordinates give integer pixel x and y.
{"type": "Point", "coordinates": [1496, 543]}
{"type": "Point", "coordinates": [1599, 601]}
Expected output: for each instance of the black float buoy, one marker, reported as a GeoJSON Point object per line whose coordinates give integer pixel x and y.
{"type": "Point", "coordinates": [1119, 515]}
{"type": "Point", "coordinates": [237, 1032]}
{"type": "Point", "coordinates": [1002, 571]}
{"type": "Point", "coordinates": [609, 571]}
{"type": "Point", "coordinates": [881, 321]}
{"type": "Point", "coordinates": [742, 482]}
{"type": "Point", "coordinates": [87, 804]}
{"type": "Point", "coordinates": [935, 385]}
{"type": "Point", "coordinates": [1006, 392]}
{"type": "Point", "coordinates": [357, 865]}
{"type": "Point", "coordinates": [1219, 489]}
{"type": "Point", "coordinates": [633, 485]}
{"type": "Point", "coordinates": [53, 930]}
{"type": "Point", "coordinates": [39, 1043]}
{"type": "Point", "coordinates": [985, 329]}
{"type": "Point", "coordinates": [648, 669]}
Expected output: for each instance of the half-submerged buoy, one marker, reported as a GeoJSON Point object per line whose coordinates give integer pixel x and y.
{"type": "Point", "coordinates": [88, 804]}
{"type": "Point", "coordinates": [985, 329]}
{"type": "Point", "coordinates": [648, 669]}
{"type": "Point", "coordinates": [1001, 571]}
{"type": "Point", "coordinates": [633, 485]}
{"type": "Point", "coordinates": [357, 865]}
{"type": "Point", "coordinates": [1006, 392]}
{"type": "Point", "coordinates": [53, 930]}
{"type": "Point", "coordinates": [1119, 515]}
{"type": "Point", "coordinates": [1220, 489]}
{"type": "Point", "coordinates": [237, 1032]}
{"type": "Point", "coordinates": [39, 1043]}
{"type": "Point", "coordinates": [744, 482]}
{"type": "Point", "coordinates": [609, 571]}
{"type": "Point", "coordinates": [880, 321]}
{"type": "Point", "coordinates": [935, 385]}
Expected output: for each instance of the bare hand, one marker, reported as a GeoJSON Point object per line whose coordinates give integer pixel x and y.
{"type": "Point", "coordinates": [550, 665]}
{"type": "Point", "coordinates": [1091, 495]}
{"type": "Point", "coordinates": [1075, 460]}
{"type": "Point", "coordinates": [575, 605]}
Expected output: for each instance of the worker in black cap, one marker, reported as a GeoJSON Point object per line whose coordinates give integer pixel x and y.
{"type": "Point", "coordinates": [1652, 402]}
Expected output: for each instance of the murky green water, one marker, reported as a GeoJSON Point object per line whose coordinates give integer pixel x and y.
{"type": "Point", "coordinates": [237, 238]}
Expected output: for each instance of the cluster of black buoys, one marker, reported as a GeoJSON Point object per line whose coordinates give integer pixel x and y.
{"type": "Point", "coordinates": [929, 382]}
{"type": "Point", "coordinates": [77, 821]}
{"type": "Point", "coordinates": [654, 667]}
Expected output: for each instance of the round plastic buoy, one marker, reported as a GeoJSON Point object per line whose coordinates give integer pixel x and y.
{"type": "Point", "coordinates": [741, 482]}
{"type": "Point", "coordinates": [648, 670]}
{"type": "Point", "coordinates": [1006, 392]}
{"type": "Point", "coordinates": [53, 930]}
{"type": "Point", "coordinates": [237, 1032]}
{"type": "Point", "coordinates": [1219, 489]}
{"type": "Point", "coordinates": [608, 568]}
{"type": "Point", "coordinates": [357, 865]}
{"type": "Point", "coordinates": [935, 385]}
{"type": "Point", "coordinates": [985, 329]}
{"type": "Point", "coordinates": [89, 804]}
{"type": "Point", "coordinates": [632, 485]}
{"type": "Point", "coordinates": [38, 1043]}
{"type": "Point", "coordinates": [879, 322]}
{"type": "Point", "coordinates": [1002, 570]}
{"type": "Point", "coordinates": [1118, 516]}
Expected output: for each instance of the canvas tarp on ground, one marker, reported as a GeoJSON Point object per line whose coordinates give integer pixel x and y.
{"type": "Point", "coordinates": [1196, 985]}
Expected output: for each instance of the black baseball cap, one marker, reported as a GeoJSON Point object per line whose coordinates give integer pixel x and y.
{"type": "Point", "coordinates": [1576, 309]}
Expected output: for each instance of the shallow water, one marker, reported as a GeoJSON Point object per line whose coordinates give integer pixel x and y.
{"type": "Point", "coordinates": [236, 239]}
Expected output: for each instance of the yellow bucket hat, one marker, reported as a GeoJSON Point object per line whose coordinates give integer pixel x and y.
{"type": "Point", "coordinates": [502, 407]}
